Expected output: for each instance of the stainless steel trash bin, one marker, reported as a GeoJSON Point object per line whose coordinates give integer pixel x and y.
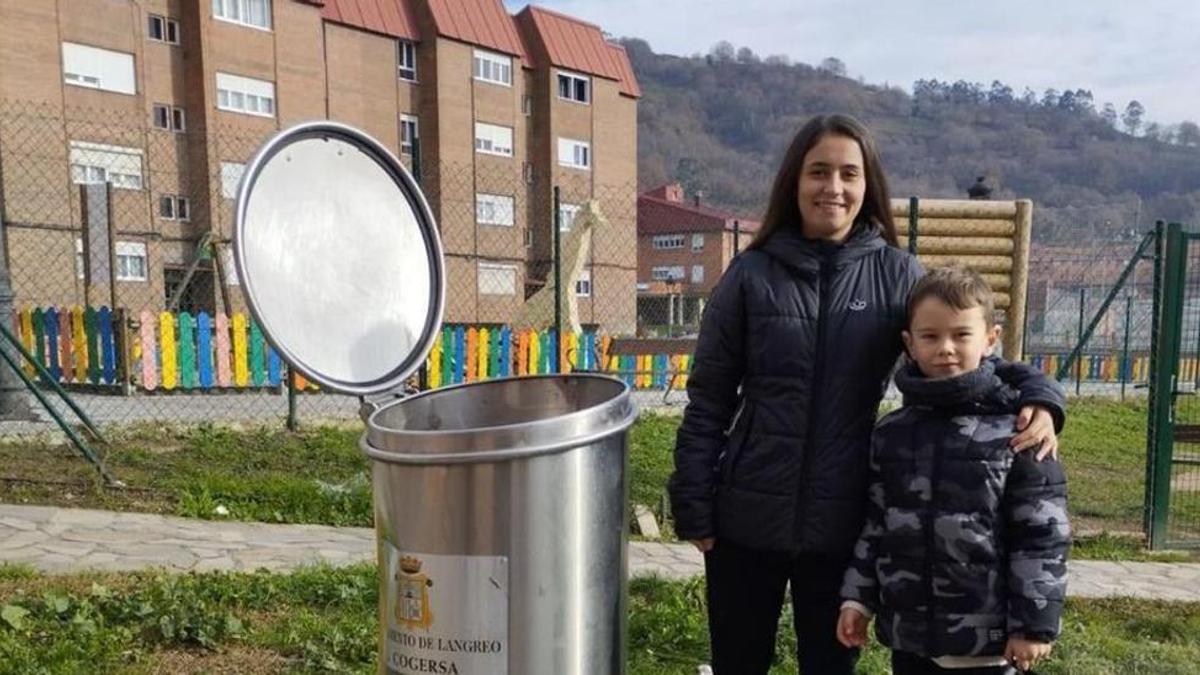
{"type": "Point", "coordinates": [500, 508]}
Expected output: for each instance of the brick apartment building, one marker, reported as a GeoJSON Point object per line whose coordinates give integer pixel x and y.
{"type": "Point", "coordinates": [168, 99]}
{"type": "Point", "coordinates": [683, 249]}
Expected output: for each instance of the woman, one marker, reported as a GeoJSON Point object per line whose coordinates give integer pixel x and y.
{"type": "Point", "coordinates": [794, 354]}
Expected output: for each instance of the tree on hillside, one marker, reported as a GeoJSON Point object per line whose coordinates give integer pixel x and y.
{"type": "Point", "coordinates": [722, 51]}
{"type": "Point", "coordinates": [778, 60]}
{"type": "Point", "coordinates": [746, 55]}
{"type": "Point", "coordinates": [1109, 115]}
{"type": "Point", "coordinates": [1133, 117]}
{"type": "Point", "coordinates": [1000, 93]}
{"type": "Point", "coordinates": [833, 66]}
{"type": "Point", "coordinates": [1188, 134]}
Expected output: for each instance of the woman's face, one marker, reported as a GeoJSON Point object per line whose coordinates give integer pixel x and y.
{"type": "Point", "coordinates": [832, 185]}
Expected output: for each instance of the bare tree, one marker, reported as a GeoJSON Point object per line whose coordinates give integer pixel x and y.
{"type": "Point", "coordinates": [722, 51]}
{"type": "Point", "coordinates": [833, 66]}
{"type": "Point", "coordinates": [1133, 117]}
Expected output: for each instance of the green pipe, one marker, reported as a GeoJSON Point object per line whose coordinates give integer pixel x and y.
{"type": "Point", "coordinates": [62, 424]}
{"type": "Point", "coordinates": [49, 379]}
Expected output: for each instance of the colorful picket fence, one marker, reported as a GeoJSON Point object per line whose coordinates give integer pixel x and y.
{"type": "Point", "coordinates": [1108, 367]}
{"type": "Point", "coordinates": [168, 351]}
{"type": "Point", "coordinates": [471, 353]}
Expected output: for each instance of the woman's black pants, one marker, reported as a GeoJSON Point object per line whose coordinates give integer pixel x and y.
{"type": "Point", "coordinates": [745, 598]}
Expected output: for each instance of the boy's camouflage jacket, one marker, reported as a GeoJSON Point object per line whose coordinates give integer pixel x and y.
{"type": "Point", "coordinates": [965, 542]}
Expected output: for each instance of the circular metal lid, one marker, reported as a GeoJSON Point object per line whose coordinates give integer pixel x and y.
{"type": "Point", "coordinates": [339, 258]}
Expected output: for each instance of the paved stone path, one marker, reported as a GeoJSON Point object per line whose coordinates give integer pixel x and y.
{"type": "Point", "coordinates": [66, 540]}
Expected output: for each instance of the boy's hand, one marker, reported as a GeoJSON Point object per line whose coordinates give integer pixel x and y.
{"type": "Point", "coordinates": [1035, 427]}
{"type": "Point", "coordinates": [1025, 654]}
{"type": "Point", "coordinates": [852, 628]}
{"type": "Point", "coordinates": [704, 545]}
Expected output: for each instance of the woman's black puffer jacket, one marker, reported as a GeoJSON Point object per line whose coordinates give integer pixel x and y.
{"type": "Point", "coordinates": [797, 342]}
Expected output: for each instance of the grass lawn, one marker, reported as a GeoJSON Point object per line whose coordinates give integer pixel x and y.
{"type": "Point", "coordinates": [319, 476]}
{"type": "Point", "coordinates": [324, 620]}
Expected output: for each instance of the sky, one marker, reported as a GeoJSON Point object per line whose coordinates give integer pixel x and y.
{"type": "Point", "coordinates": [1148, 50]}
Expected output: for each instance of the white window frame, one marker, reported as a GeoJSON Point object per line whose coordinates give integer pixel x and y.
{"type": "Point", "coordinates": [168, 29]}
{"type": "Point", "coordinates": [492, 288]}
{"type": "Point", "coordinates": [573, 82]}
{"type": "Point", "coordinates": [697, 274]}
{"type": "Point", "coordinates": [95, 68]}
{"type": "Point", "coordinates": [566, 217]}
{"type": "Point", "coordinates": [132, 250]}
{"type": "Point", "coordinates": [527, 105]}
{"type": "Point", "coordinates": [238, 12]}
{"type": "Point", "coordinates": [667, 273]}
{"type": "Point", "coordinates": [528, 237]}
{"type": "Point", "coordinates": [527, 172]}
{"type": "Point", "coordinates": [100, 163]}
{"type": "Point", "coordinates": [79, 263]}
{"type": "Point", "coordinates": [667, 242]}
{"type": "Point", "coordinates": [574, 153]}
{"type": "Point", "coordinates": [173, 118]}
{"type": "Point", "coordinates": [409, 122]}
{"type": "Point", "coordinates": [492, 68]}
{"type": "Point", "coordinates": [494, 209]}
{"type": "Point", "coordinates": [490, 139]}
{"type": "Point", "coordinates": [231, 176]}
{"type": "Point", "coordinates": [406, 60]}
{"type": "Point", "coordinates": [583, 285]}
{"type": "Point", "coordinates": [697, 242]}
{"type": "Point", "coordinates": [245, 95]}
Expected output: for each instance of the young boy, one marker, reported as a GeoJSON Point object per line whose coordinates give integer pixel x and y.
{"type": "Point", "coordinates": [963, 556]}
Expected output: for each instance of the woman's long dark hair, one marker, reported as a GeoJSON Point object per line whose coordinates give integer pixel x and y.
{"type": "Point", "coordinates": [783, 209]}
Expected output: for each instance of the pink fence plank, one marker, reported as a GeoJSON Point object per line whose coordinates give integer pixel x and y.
{"type": "Point", "coordinates": [224, 372]}
{"type": "Point", "coordinates": [149, 351]}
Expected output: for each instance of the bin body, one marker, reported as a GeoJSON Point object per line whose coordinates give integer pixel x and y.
{"type": "Point", "coordinates": [501, 520]}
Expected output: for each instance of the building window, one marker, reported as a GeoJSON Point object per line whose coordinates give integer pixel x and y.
{"type": "Point", "coordinates": [492, 139]}
{"type": "Point", "coordinates": [528, 237]}
{"type": "Point", "coordinates": [697, 242]}
{"type": "Point", "coordinates": [95, 68]}
{"type": "Point", "coordinates": [527, 105]}
{"type": "Point", "coordinates": [231, 176]}
{"type": "Point", "coordinates": [575, 154]}
{"type": "Point", "coordinates": [577, 88]}
{"type": "Point", "coordinates": [162, 29]}
{"type": "Point", "coordinates": [79, 270]}
{"type": "Point", "coordinates": [493, 209]}
{"type": "Point", "coordinates": [174, 207]}
{"type": "Point", "coordinates": [494, 68]}
{"type": "Point", "coordinates": [527, 171]}
{"type": "Point", "coordinates": [253, 13]}
{"type": "Point", "coordinates": [245, 95]}
{"type": "Point", "coordinates": [697, 274]}
{"type": "Point", "coordinates": [409, 133]}
{"type": "Point", "coordinates": [131, 261]}
{"type": "Point", "coordinates": [497, 279]}
{"type": "Point", "coordinates": [667, 242]}
{"type": "Point", "coordinates": [668, 274]}
{"type": "Point", "coordinates": [168, 117]}
{"type": "Point", "coordinates": [99, 163]}
{"type": "Point", "coordinates": [583, 285]}
{"type": "Point", "coordinates": [406, 59]}
{"type": "Point", "coordinates": [566, 216]}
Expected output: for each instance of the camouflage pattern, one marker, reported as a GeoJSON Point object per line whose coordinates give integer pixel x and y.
{"type": "Point", "coordinates": [965, 542]}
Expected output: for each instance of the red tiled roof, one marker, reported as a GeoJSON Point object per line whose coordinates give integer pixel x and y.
{"type": "Point", "coordinates": [661, 216]}
{"type": "Point", "coordinates": [389, 17]}
{"type": "Point", "coordinates": [478, 22]}
{"type": "Point", "coordinates": [629, 83]}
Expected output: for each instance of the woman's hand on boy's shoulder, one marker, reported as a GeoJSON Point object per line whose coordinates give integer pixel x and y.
{"type": "Point", "coordinates": [1035, 429]}
{"type": "Point", "coordinates": [1025, 654]}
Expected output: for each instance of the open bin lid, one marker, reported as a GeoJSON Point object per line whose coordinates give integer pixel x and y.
{"type": "Point", "coordinates": [339, 258]}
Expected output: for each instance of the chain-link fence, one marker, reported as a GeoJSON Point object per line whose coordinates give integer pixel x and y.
{"type": "Point", "coordinates": [119, 255]}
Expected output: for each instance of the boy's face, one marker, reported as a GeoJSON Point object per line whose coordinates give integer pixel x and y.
{"type": "Point", "coordinates": [945, 341]}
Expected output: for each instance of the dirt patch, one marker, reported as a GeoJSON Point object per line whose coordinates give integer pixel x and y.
{"type": "Point", "coordinates": [227, 661]}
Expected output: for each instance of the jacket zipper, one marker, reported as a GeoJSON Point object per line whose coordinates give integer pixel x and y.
{"type": "Point", "coordinates": [929, 543]}
{"type": "Point", "coordinates": [824, 272]}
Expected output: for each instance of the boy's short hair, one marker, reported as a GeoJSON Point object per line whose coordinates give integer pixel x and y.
{"type": "Point", "coordinates": [958, 287]}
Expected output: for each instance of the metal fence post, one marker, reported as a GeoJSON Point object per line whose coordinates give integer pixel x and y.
{"type": "Point", "coordinates": [1079, 335]}
{"type": "Point", "coordinates": [1153, 384]}
{"type": "Point", "coordinates": [913, 205]}
{"type": "Point", "coordinates": [1165, 376]}
{"type": "Point", "coordinates": [558, 291]}
{"type": "Point", "coordinates": [293, 421]}
{"type": "Point", "coordinates": [1126, 366]}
